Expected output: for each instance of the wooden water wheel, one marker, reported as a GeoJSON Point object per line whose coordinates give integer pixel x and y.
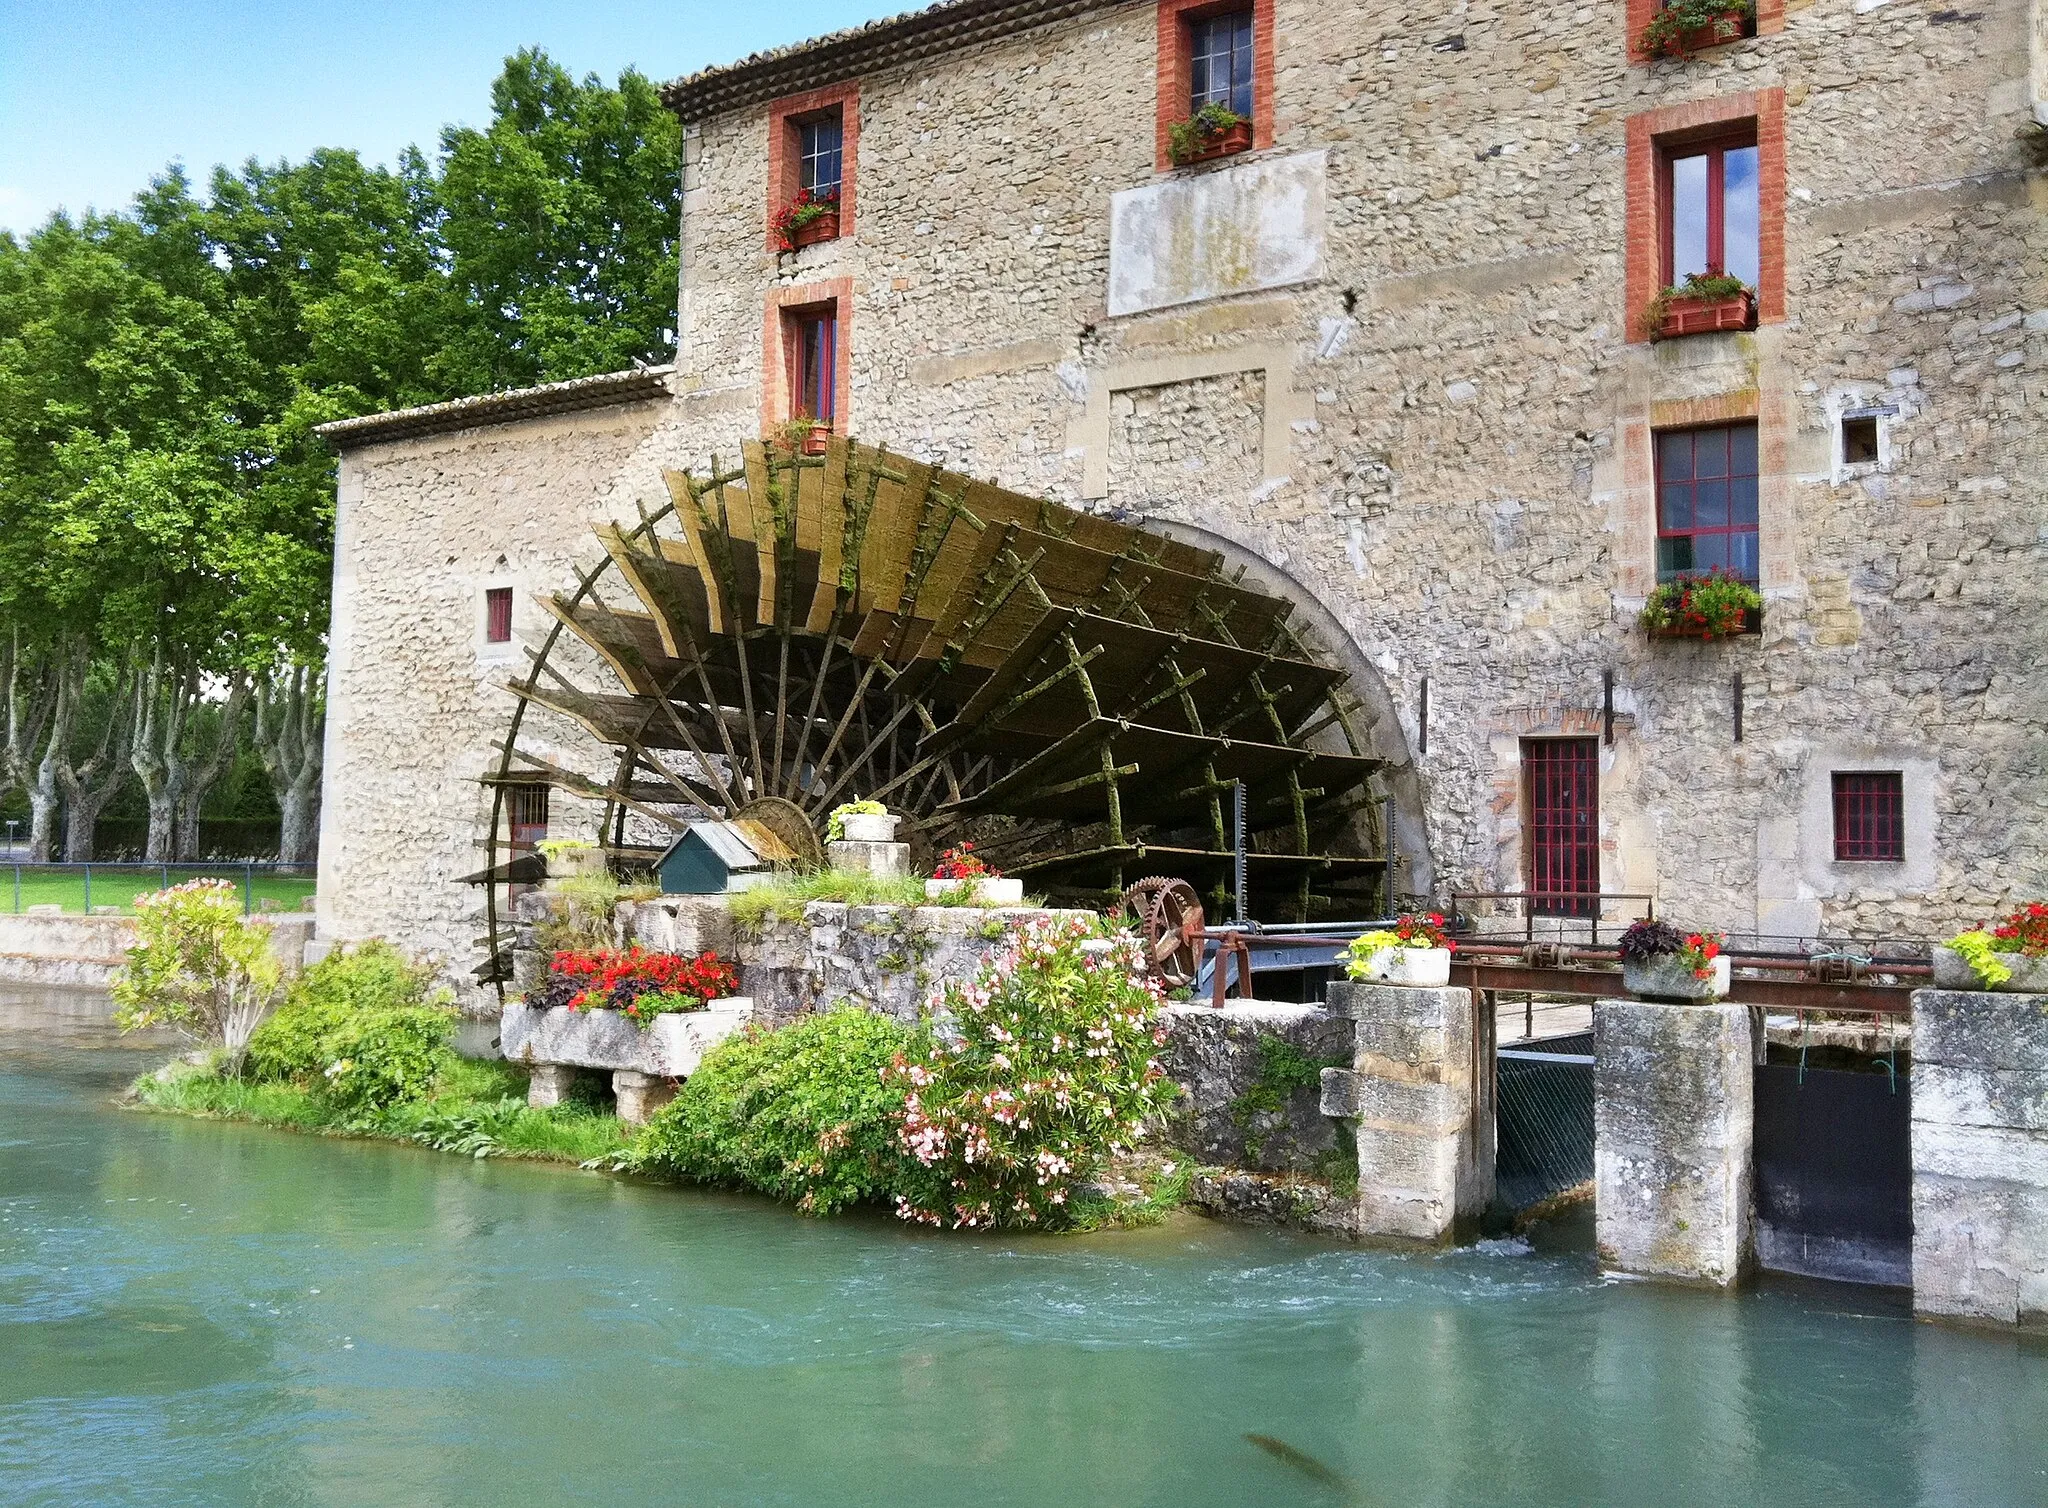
{"type": "Point", "coordinates": [1076, 694]}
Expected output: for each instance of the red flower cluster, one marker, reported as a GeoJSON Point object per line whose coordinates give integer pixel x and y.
{"type": "Point", "coordinates": [1424, 931]}
{"type": "Point", "coordinates": [2025, 931]}
{"type": "Point", "coordinates": [961, 864]}
{"type": "Point", "coordinates": [799, 212]}
{"type": "Point", "coordinates": [1701, 949]}
{"type": "Point", "coordinates": [616, 981]}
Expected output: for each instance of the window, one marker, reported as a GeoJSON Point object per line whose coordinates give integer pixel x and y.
{"type": "Point", "coordinates": [1859, 439]}
{"type": "Point", "coordinates": [526, 810]}
{"type": "Point", "coordinates": [1870, 817]}
{"type": "Point", "coordinates": [498, 615]}
{"type": "Point", "coordinates": [1563, 777]}
{"type": "Point", "coordinates": [1706, 501]}
{"type": "Point", "coordinates": [1220, 62]}
{"type": "Point", "coordinates": [1710, 210]}
{"type": "Point", "coordinates": [813, 346]}
{"type": "Point", "coordinates": [818, 145]}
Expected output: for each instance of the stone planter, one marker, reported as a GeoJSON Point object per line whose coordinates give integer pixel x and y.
{"type": "Point", "coordinates": [1666, 977]}
{"type": "Point", "coordinates": [824, 228]}
{"type": "Point", "coordinates": [1704, 316]}
{"type": "Point", "coordinates": [989, 891]}
{"type": "Point", "coordinates": [670, 1047]}
{"type": "Point", "coordinates": [874, 827]}
{"type": "Point", "coordinates": [1952, 971]}
{"type": "Point", "coordinates": [1223, 144]}
{"type": "Point", "coordinates": [1418, 968]}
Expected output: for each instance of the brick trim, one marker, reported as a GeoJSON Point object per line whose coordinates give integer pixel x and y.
{"type": "Point", "coordinates": [1770, 20]}
{"type": "Point", "coordinates": [1694, 413]}
{"type": "Point", "coordinates": [782, 167]}
{"type": "Point", "coordinates": [1644, 213]}
{"type": "Point", "coordinates": [783, 300]}
{"type": "Point", "coordinates": [1173, 76]}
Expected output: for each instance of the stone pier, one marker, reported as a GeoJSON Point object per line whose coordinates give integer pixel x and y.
{"type": "Point", "coordinates": [1673, 1139]}
{"type": "Point", "coordinates": [1421, 1091]}
{"type": "Point", "coordinates": [1980, 1156]}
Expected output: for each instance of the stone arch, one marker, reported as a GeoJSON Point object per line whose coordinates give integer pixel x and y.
{"type": "Point", "coordinates": [1327, 634]}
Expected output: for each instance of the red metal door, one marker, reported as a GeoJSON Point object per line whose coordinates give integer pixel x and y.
{"type": "Point", "coordinates": [1563, 806]}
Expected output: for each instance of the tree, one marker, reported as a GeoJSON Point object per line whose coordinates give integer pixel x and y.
{"type": "Point", "coordinates": [199, 965]}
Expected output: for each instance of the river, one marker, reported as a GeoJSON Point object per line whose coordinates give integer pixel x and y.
{"type": "Point", "coordinates": [206, 1314]}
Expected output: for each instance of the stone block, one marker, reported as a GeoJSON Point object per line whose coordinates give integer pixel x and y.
{"type": "Point", "coordinates": [550, 1085]}
{"type": "Point", "coordinates": [1421, 1091]}
{"type": "Point", "coordinates": [1980, 1156]}
{"type": "Point", "coordinates": [689, 924]}
{"type": "Point", "coordinates": [1674, 1127]}
{"type": "Point", "coordinates": [885, 861]}
{"type": "Point", "coordinates": [670, 1047]}
{"type": "Point", "coordinates": [640, 1095]}
{"type": "Point", "coordinates": [1216, 1058]}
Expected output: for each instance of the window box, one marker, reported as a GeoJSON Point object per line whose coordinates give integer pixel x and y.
{"type": "Point", "coordinates": [815, 438]}
{"type": "Point", "coordinates": [824, 228]}
{"type": "Point", "coordinates": [1704, 316]}
{"type": "Point", "coordinates": [1684, 27]}
{"type": "Point", "coordinates": [1225, 143]}
{"type": "Point", "coordinates": [1715, 605]}
{"type": "Point", "coordinates": [1752, 623]}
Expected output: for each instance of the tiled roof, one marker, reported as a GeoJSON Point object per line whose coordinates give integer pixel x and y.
{"type": "Point", "coordinates": [841, 55]}
{"type": "Point", "coordinates": [607, 390]}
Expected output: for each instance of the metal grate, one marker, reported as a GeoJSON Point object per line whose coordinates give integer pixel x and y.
{"type": "Point", "coordinates": [1543, 1129]}
{"type": "Point", "coordinates": [1564, 825]}
{"type": "Point", "coordinates": [1870, 816]}
{"type": "Point", "coordinates": [498, 615]}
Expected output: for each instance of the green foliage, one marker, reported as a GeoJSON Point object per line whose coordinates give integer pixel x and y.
{"type": "Point", "coordinates": [784, 899]}
{"type": "Point", "coordinates": [589, 902]}
{"type": "Point", "coordinates": [199, 965]}
{"type": "Point", "coordinates": [1284, 1071]}
{"type": "Point", "coordinates": [1712, 606]}
{"type": "Point", "coordinates": [835, 826]}
{"type": "Point", "coordinates": [1186, 138]}
{"type": "Point", "coordinates": [803, 1113]}
{"type": "Point", "coordinates": [1709, 284]}
{"type": "Point", "coordinates": [1682, 27]}
{"type": "Point", "coordinates": [359, 1028]}
{"type": "Point", "coordinates": [1980, 951]}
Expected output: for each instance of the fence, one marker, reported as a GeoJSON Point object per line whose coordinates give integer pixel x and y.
{"type": "Point", "coordinates": [112, 889]}
{"type": "Point", "coordinates": [1543, 1099]}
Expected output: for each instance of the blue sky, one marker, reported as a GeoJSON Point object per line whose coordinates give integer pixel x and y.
{"type": "Point", "coordinates": [98, 95]}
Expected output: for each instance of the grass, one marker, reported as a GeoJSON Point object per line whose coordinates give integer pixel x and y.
{"type": "Point", "coordinates": [784, 899]}
{"type": "Point", "coordinates": [119, 884]}
{"type": "Point", "coordinates": [478, 1109]}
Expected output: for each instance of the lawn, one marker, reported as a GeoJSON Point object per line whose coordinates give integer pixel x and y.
{"type": "Point", "coordinates": [23, 886]}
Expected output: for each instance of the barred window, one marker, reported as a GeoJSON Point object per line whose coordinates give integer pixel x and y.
{"type": "Point", "coordinates": [498, 615]}
{"type": "Point", "coordinates": [1870, 816]}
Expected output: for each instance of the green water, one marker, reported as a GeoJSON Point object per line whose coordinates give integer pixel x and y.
{"type": "Point", "coordinates": [194, 1313]}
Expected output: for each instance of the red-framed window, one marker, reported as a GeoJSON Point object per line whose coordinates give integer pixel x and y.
{"type": "Point", "coordinates": [1706, 501]}
{"type": "Point", "coordinates": [811, 338]}
{"type": "Point", "coordinates": [1220, 61]}
{"type": "Point", "coordinates": [498, 615]}
{"type": "Point", "coordinates": [1710, 196]}
{"type": "Point", "coordinates": [820, 153]}
{"type": "Point", "coordinates": [1870, 816]}
{"type": "Point", "coordinates": [1562, 778]}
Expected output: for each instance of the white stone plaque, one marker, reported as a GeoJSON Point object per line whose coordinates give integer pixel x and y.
{"type": "Point", "coordinates": [1230, 230]}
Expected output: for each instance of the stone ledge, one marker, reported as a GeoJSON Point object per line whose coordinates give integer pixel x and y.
{"type": "Point", "coordinates": [671, 1047]}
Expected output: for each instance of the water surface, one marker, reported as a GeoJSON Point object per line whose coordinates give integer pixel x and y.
{"type": "Point", "coordinates": [195, 1313]}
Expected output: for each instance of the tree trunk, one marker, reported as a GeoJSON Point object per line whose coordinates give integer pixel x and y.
{"type": "Point", "coordinates": [202, 774]}
{"type": "Point", "coordinates": [32, 687]}
{"type": "Point", "coordinates": [91, 783]}
{"type": "Point", "coordinates": [289, 718]}
{"type": "Point", "coordinates": [161, 707]}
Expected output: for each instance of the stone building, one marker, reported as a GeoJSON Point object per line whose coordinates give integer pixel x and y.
{"type": "Point", "coordinates": [1394, 354]}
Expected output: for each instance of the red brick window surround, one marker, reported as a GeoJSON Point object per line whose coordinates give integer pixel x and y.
{"type": "Point", "coordinates": [1178, 34]}
{"type": "Point", "coordinates": [1697, 174]}
{"type": "Point", "coordinates": [806, 344]}
{"type": "Point", "coordinates": [1870, 816]}
{"type": "Point", "coordinates": [798, 148]}
{"type": "Point", "coordinates": [1770, 19]}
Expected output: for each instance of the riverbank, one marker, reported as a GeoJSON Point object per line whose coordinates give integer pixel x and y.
{"type": "Point", "coordinates": [477, 1109]}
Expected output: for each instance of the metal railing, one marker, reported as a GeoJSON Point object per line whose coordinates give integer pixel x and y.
{"type": "Point", "coordinates": [112, 888]}
{"type": "Point", "coordinates": [1549, 914]}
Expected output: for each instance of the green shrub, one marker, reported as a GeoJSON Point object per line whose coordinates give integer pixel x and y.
{"type": "Point", "coordinates": [802, 1113]}
{"type": "Point", "coordinates": [362, 1027]}
{"type": "Point", "coordinates": [198, 965]}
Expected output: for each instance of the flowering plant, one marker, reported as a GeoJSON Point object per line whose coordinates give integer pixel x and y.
{"type": "Point", "coordinates": [1712, 606]}
{"type": "Point", "coordinates": [2025, 931]}
{"type": "Point", "coordinates": [1186, 138]}
{"type": "Point", "coordinates": [200, 965]}
{"type": "Point", "coordinates": [1699, 951]}
{"type": "Point", "coordinates": [805, 209]}
{"type": "Point", "coordinates": [638, 983]}
{"type": "Point", "coordinates": [835, 825]}
{"type": "Point", "coordinates": [961, 864]}
{"type": "Point", "coordinates": [1423, 931]}
{"type": "Point", "coordinates": [1042, 1069]}
{"type": "Point", "coordinates": [1683, 27]}
{"type": "Point", "coordinates": [1647, 938]}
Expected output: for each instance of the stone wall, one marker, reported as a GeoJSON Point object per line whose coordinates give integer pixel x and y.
{"type": "Point", "coordinates": [1441, 434]}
